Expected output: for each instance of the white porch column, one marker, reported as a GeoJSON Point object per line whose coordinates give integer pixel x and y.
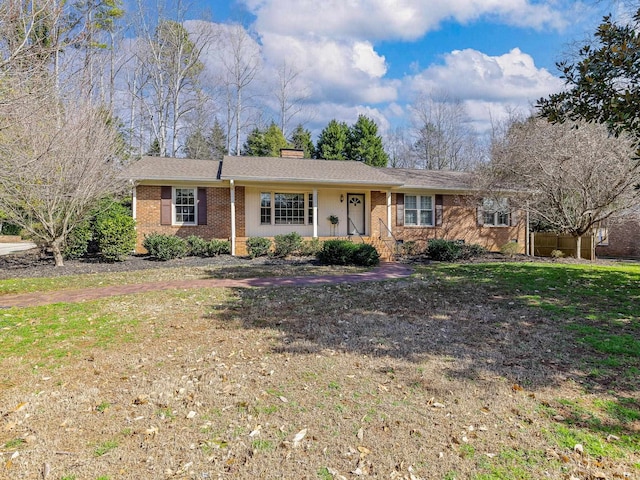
{"type": "Point", "coordinates": [233, 218]}
{"type": "Point", "coordinates": [388, 213]}
{"type": "Point", "coordinates": [134, 196]}
{"type": "Point", "coordinates": [315, 213]}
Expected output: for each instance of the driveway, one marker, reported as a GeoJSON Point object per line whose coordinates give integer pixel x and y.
{"type": "Point", "coordinates": [7, 248]}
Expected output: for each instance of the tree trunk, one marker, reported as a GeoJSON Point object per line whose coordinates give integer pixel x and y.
{"type": "Point", "coordinates": [578, 247]}
{"type": "Point", "coordinates": [57, 252]}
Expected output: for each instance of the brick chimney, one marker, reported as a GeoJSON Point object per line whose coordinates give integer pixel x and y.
{"type": "Point", "coordinates": [291, 153]}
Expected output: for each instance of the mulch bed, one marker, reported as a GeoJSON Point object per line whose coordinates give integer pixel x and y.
{"type": "Point", "coordinates": [35, 263]}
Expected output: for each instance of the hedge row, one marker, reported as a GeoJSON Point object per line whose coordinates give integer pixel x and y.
{"type": "Point", "coordinates": [167, 247]}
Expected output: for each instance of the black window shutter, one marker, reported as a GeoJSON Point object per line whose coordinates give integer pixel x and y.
{"type": "Point", "coordinates": [202, 206]}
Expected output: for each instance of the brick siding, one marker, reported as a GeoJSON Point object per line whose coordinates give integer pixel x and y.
{"type": "Point", "coordinates": [218, 215]}
{"type": "Point", "coordinates": [459, 222]}
{"type": "Point", "coordinates": [624, 240]}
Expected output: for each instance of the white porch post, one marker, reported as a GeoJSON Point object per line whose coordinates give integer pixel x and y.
{"type": "Point", "coordinates": [315, 213]}
{"type": "Point", "coordinates": [388, 214]}
{"type": "Point", "coordinates": [134, 196]}
{"type": "Point", "coordinates": [233, 218]}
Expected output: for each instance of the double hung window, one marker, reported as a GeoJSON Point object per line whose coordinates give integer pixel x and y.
{"type": "Point", "coordinates": [418, 210]}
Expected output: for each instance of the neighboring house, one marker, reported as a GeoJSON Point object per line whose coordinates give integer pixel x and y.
{"type": "Point", "coordinates": [242, 197]}
{"type": "Point", "coordinates": [620, 238]}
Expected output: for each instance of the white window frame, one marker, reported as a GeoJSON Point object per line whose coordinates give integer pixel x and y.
{"type": "Point", "coordinates": [174, 206]}
{"type": "Point", "coordinates": [419, 210]}
{"type": "Point", "coordinates": [498, 208]}
{"type": "Point", "coordinates": [307, 208]}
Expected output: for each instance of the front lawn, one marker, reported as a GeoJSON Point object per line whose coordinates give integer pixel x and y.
{"type": "Point", "coordinates": [464, 371]}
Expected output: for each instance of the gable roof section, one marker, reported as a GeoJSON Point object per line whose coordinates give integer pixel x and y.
{"type": "Point", "coordinates": [277, 169]}
{"type": "Point", "coordinates": [174, 169]}
{"type": "Point", "coordinates": [443, 180]}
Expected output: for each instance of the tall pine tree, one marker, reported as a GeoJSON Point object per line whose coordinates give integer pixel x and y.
{"type": "Point", "coordinates": [332, 143]}
{"type": "Point", "coordinates": [364, 143]}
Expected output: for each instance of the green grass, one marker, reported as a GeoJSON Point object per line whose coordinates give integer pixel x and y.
{"type": "Point", "coordinates": [15, 443]}
{"type": "Point", "coordinates": [324, 474]}
{"type": "Point", "coordinates": [262, 445]}
{"type": "Point", "coordinates": [598, 304]}
{"type": "Point", "coordinates": [513, 464]}
{"type": "Point", "coordinates": [105, 448]}
{"type": "Point", "coordinates": [61, 330]}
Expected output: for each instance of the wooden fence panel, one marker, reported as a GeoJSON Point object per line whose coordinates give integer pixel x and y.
{"type": "Point", "coordinates": [542, 244]}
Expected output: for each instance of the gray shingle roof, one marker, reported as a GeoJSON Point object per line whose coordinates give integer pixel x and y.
{"type": "Point", "coordinates": [277, 169]}
{"type": "Point", "coordinates": [432, 179]}
{"type": "Point", "coordinates": [304, 171]}
{"type": "Point", "coordinates": [177, 169]}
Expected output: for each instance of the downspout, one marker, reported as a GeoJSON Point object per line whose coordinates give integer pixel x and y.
{"type": "Point", "coordinates": [315, 213]}
{"type": "Point", "coordinates": [233, 218]}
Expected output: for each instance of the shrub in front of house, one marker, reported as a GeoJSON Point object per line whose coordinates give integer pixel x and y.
{"type": "Point", "coordinates": [258, 246]}
{"type": "Point", "coordinates": [288, 244]}
{"type": "Point", "coordinates": [9, 229]}
{"type": "Point", "coordinates": [115, 233]}
{"type": "Point", "coordinates": [77, 241]}
{"type": "Point", "coordinates": [310, 248]}
{"type": "Point", "coordinates": [365, 255]}
{"type": "Point", "coordinates": [344, 252]}
{"type": "Point", "coordinates": [198, 246]}
{"type": "Point", "coordinates": [218, 247]}
{"type": "Point", "coordinates": [165, 247]}
{"type": "Point", "coordinates": [443, 250]}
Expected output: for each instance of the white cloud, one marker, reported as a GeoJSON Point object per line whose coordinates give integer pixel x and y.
{"type": "Point", "coordinates": [488, 86]}
{"type": "Point", "coordinates": [470, 74]}
{"type": "Point", "coordinates": [398, 19]}
{"type": "Point", "coordinates": [334, 71]}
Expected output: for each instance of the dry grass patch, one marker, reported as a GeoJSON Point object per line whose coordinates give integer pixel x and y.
{"type": "Point", "coordinates": [430, 377]}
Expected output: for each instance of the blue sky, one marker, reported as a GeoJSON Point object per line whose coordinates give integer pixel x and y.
{"type": "Point", "coordinates": [376, 56]}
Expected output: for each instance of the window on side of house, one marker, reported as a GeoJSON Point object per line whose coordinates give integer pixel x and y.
{"type": "Point", "coordinates": [418, 210]}
{"type": "Point", "coordinates": [496, 212]}
{"type": "Point", "coordinates": [265, 208]}
{"type": "Point", "coordinates": [184, 204]}
{"type": "Point", "coordinates": [310, 220]}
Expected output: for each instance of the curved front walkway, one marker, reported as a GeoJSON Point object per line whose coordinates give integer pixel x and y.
{"type": "Point", "coordinates": [386, 271]}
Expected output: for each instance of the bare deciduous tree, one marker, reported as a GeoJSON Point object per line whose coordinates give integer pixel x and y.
{"type": "Point", "coordinates": [56, 166]}
{"type": "Point", "coordinates": [166, 78]}
{"type": "Point", "coordinates": [290, 95]}
{"type": "Point", "coordinates": [241, 63]}
{"type": "Point", "coordinates": [443, 137]}
{"type": "Point", "coordinates": [573, 176]}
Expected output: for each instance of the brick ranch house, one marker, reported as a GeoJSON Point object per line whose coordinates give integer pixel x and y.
{"type": "Point", "coordinates": [242, 197]}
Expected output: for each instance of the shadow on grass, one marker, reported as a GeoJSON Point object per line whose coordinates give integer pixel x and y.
{"type": "Point", "coordinates": [522, 321]}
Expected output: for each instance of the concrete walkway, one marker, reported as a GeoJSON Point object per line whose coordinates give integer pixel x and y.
{"type": "Point", "coordinates": [7, 248]}
{"type": "Point", "coordinates": [386, 271]}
